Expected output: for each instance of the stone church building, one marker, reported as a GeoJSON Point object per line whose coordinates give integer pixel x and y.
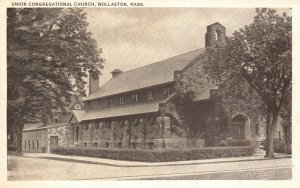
{"type": "Point", "coordinates": [138, 109]}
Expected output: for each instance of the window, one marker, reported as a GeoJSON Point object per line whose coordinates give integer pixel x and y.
{"type": "Point", "coordinates": [76, 134]}
{"type": "Point", "coordinates": [99, 104]}
{"type": "Point", "coordinates": [151, 145]}
{"type": "Point", "coordinates": [56, 121]}
{"type": "Point", "coordinates": [90, 126]}
{"type": "Point", "coordinates": [238, 124]}
{"type": "Point", "coordinates": [166, 91]}
{"type": "Point", "coordinates": [134, 145]}
{"type": "Point", "coordinates": [88, 105]}
{"type": "Point", "coordinates": [85, 126]}
{"type": "Point", "coordinates": [97, 125]}
{"type": "Point", "coordinates": [126, 122]}
{"type": "Point", "coordinates": [141, 121]}
{"type": "Point", "coordinates": [150, 95]}
{"type": "Point", "coordinates": [121, 99]}
{"type": "Point", "coordinates": [77, 107]}
{"type": "Point", "coordinates": [135, 97]}
{"type": "Point", "coordinates": [95, 144]}
{"type": "Point", "coordinates": [37, 145]}
{"type": "Point", "coordinates": [109, 125]}
{"type": "Point", "coordinates": [25, 144]}
{"type": "Point", "coordinates": [110, 102]}
{"type": "Point", "coordinates": [218, 35]}
{"type": "Point", "coordinates": [32, 144]}
{"type": "Point", "coordinates": [101, 123]}
{"type": "Point", "coordinates": [119, 144]}
{"type": "Point", "coordinates": [29, 144]}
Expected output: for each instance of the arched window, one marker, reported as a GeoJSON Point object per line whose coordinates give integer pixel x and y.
{"type": "Point", "coordinates": [238, 126]}
{"type": "Point", "coordinates": [218, 35]}
{"type": "Point", "coordinates": [77, 107]}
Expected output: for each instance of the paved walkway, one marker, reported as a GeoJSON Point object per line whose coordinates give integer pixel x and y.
{"type": "Point", "coordinates": [118, 163]}
{"type": "Point", "coordinates": [44, 166]}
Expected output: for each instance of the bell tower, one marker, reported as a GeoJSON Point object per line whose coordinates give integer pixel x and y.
{"type": "Point", "coordinates": [215, 35]}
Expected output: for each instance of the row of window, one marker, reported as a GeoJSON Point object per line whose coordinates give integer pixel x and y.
{"type": "Point", "coordinates": [31, 145]}
{"type": "Point", "coordinates": [135, 98]}
{"type": "Point", "coordinates": [119, 145]}
{"type": "Point", "coordinates": [108, 124]}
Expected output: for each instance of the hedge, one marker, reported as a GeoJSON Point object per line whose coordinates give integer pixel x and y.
{"type": "Point", "coordinates": [279, 146]}
{"type": "Point", "coordinates": [234, 142]}
{"type": "Point", "coordinates": [157, 155]}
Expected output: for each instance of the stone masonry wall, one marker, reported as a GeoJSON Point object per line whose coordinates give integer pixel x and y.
{"type": "Point", "coordinates": [244, 100]}
{"type": "Point", "coordinates": [34, 141]}
{"type": "Point", "coordinates": [194, 78]}
{"type": "Point", "coordinates": [143, 132]}
{"type": "Point", "coordinates": [64, 133]}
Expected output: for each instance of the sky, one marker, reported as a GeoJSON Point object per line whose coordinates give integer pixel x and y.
{"type": "Point", "coordinates": [134, 37]}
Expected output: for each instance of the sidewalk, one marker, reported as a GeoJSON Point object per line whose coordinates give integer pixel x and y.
{"type": "Point", "coordinates": [119, 163]}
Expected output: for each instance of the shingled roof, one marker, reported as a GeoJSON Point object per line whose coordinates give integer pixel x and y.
{"type": "Point", "coordinates": [126, 110]}
{"type": "Point", "coordinates": [150, 75]}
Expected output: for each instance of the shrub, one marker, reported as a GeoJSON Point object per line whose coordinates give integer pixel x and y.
{"type": "Point", "coordinates": [233, 142]}
{"type": "Point", "coordinates": [43, 149]}
{"type": "Point", "coordinates": [157, 155]}
{"type": "Point", "coordinates": [279, 146]}
{"type": "Point", "coordinates": [239, 142]}
{"type": "Point", "coordinates": [223, 143]}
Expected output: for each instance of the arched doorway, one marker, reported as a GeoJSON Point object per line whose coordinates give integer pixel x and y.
{"type": "Point", "coordinates": [240, 126]}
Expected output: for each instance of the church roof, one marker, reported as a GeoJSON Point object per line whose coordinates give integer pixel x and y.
{"type": "Point", "coordinates": [126, 109]}
{"type": "Point", "coordinates": [150, 75]}
{"type": "Point", "coordinates": [31, 126]}
{"type": "Point", "coordinates": [79, 114]}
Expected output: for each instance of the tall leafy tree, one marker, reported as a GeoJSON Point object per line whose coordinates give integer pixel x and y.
{"type": "Point", "coordinates": [261, 55]}
{"type": "Point", "coordinates": [49, 52]}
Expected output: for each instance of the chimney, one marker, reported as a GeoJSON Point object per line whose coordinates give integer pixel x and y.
{"type": "Point", "coordinates": [93, 81]}
{"type": "Point", "coordinates": [116, 72]}
{"type": "Point", "coordinates": [215, 35]}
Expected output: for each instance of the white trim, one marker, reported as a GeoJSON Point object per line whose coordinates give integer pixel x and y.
{"type": "Point", "coordinates": [77, 106]}
{"type": "Point", "coordinates": [47, 127]}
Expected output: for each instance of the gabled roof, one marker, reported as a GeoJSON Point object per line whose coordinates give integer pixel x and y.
{"type": "Point", "coordinates": [31, 126]}
{"type": "Point", "coordinates": [146, 76]}
{"type": "Point", "coordinates": [216, 23]}
{"type": "Point", "coordinates": [79, 114]}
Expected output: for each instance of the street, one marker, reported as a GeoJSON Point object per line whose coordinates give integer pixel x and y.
{"type": "Point", "coordinates": [51, 168]}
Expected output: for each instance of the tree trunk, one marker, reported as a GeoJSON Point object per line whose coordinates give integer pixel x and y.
{"type": "Point", "coordinates": [17, 137]}
{"type": "Point", "coordinates": [271, 126]}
